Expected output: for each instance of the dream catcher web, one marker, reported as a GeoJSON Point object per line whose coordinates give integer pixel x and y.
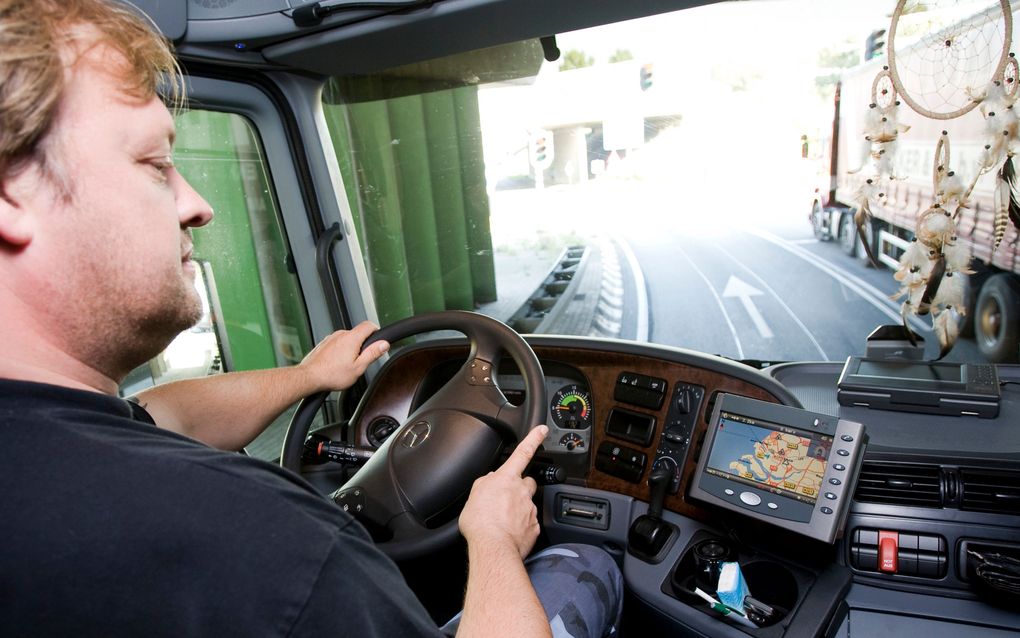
{"type": "Point", "coordinates": [934, 73]}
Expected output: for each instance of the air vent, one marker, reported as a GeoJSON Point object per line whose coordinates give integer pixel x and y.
{"type": "Point", "coordinates": [899, 484]}
{"type": "Point", "coordinates": [990, 491]}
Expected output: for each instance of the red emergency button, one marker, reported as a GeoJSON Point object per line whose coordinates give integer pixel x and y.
{"type": "Point", "coordinates": [888, 551]}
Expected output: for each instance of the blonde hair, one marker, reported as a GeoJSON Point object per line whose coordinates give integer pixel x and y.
{"type": "Point", "coordinates": [36, 38]}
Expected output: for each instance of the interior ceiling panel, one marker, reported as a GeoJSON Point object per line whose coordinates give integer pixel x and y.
{"type": "Point", "coordinates": [262, 33]}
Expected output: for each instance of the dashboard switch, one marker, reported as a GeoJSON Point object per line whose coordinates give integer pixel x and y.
{"type": "Point", "coordinates": [621, 462]}
{"type": "Point", "coordinates": [888, 559]}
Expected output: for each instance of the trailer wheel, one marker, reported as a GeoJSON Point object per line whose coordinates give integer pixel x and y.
{"type": "Point", "coordinates": [973, 289]}
{"type": "Point", "coordinates": [818, 225]}
{"type": "Point", "coordinates": [869, 237]}
{"type": "Point", "coordinates": [997, 318]}
{"type": "Point", "coordinates": [848, 235]}
{"type": "Point", "coordinates": [850, 239]}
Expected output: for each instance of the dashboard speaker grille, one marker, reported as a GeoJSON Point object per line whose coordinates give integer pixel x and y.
{"type": "Point", "coordinates": [990, 491]}
{"type": "Point", "coordinates": [900, 484]}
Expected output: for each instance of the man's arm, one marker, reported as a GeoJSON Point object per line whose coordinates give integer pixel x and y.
{"type": "Point", "coordinates": [228, 411]}
{"type": "Point", "coordinates": [500, 523]}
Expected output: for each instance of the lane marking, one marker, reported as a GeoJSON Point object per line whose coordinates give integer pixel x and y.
{"type": "Point", "coordinates": [764, 284]}
{"type": "Point", "coordinates": [866, 291]}
{"type": "Point", "coordinates": [737, 287]}
{"type": "Point", "coordinates": [718, 301]}
{"type": "Point", "coordinates": [640, 289]}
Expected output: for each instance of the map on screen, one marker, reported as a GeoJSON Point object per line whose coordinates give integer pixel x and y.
{"type": "Point", "coordinates": [781, 460]}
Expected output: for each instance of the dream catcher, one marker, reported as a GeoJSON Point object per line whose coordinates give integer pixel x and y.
{"type": "Point", "coordinates": [881, 129]}
{"type": "Point", "coordinates": [944, 59]}
{"type": "Point", "coordinates": [933, 267]}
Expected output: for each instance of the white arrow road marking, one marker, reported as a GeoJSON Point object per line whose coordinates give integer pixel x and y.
{"type": "Point", "coordinates": [739, 288]}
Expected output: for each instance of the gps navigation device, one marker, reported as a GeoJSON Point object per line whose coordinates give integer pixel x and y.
{"type": "Point", "coordinates": [786, 466]}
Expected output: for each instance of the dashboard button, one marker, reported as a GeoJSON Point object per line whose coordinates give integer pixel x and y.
{"type": "Point", "coordinates": [830, 496]}
{"type": "Point", "coordinates": [843, 452]}
{"type": "Point", "coordinates": [847, 438]}
{"type": "Point", "coordinates": [835, 481]}
{"type": "Point", "coordinates": [773, 506]}
{"type": "Point", "coordinates": [750, 498]}
{"type": "Point", "coordinates": [675, 435]}
{"type": "Point", "coordinates": [826, 510]}
{"type": "Point", "coordinates": [839, 467]}
{"type": "Point", "coordinates": [728, 492]}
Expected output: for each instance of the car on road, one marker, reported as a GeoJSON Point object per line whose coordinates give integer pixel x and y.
{"type": "Point", "coordinates": [621, 183]}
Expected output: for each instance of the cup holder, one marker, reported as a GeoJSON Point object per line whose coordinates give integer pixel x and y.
{"type": "Point", "coordinates": [770, 582]}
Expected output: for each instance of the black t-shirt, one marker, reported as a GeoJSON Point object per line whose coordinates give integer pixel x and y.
{"type": "Point", "coordinates": [112, 527]}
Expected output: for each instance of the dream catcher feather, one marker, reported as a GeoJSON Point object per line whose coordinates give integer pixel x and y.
{"type": "Point", "coordinates": [943, 72]}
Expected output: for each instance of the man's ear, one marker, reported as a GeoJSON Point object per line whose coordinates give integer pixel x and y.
{"type": "Point", "coordinates": [17, 224]}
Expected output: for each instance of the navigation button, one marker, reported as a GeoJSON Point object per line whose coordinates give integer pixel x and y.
{"type": "Point", "coordinates": [729, 492]}
{"type": "Point", "coordinates": [772, 506]}
{"type": "Point", "coordinates": [826, 510]}
{"type": "Point", "coordinates": [847, 438]}
{"type": "Point", "coordinates": [750, 498]}
{"type": "Point", "coordinates": [835, 481]}
{"type": "Point", "coordinates": [839, 467]}
{"type": "Point", "coordinates": [843, 452]}
{"type": "Point", "coordinates": [830, 496]}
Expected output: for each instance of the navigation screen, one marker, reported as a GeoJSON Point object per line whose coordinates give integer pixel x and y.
{"type": "Point", "coordinates": [777, 459]}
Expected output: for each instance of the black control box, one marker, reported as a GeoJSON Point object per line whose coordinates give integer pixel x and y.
{"type": "Point", "coordinates": [621, 462]}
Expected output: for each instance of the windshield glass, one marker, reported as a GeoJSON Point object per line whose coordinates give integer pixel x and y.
{"type": "Point", "coordinates": [676, 179]}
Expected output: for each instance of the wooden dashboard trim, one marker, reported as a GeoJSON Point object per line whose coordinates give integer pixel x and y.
{"type": "Point", "coordinates": [399, 382]}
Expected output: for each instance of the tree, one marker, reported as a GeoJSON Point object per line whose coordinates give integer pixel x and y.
{"type": "Point", "coordinates": [831, 62]}
{"type": "Point", "coordinates": [575, 59]}
{"type": "Point", "coordinates": [621, 55]}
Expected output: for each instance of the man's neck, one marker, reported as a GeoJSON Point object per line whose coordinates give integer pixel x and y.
{"type": "Point", "coordinates": [30, 354]}
{"type": "Point", "coordinates": [83, 378]}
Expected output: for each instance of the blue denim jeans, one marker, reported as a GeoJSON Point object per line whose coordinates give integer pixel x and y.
{"type": "Point", "coordinates": [580, 587]}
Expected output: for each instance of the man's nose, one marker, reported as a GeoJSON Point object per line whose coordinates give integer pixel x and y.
{"type": "Point", "coordinates": [192, 208]}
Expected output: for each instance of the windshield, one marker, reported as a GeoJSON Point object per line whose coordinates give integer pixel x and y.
{"type": "Point", "coordinates": [670, 179]}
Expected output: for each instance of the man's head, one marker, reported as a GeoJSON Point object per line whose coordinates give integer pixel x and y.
{"type": "Point", "coordinates": [94, 219]}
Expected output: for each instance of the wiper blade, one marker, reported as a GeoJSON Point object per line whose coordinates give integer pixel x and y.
{"type": "Point", "coordinates": [313, 14]}
{"type": "Point", "coordinates": [758, 364]}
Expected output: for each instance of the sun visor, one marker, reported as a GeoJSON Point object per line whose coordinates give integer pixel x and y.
{"type": "Point", "coordinates": [170, 17]}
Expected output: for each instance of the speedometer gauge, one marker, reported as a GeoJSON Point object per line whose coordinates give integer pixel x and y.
{"type": "Point", "coordinates": [571, 407]}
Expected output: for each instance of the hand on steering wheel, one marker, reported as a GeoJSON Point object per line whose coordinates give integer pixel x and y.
{"type": "Point", "coordinates": [430, 462]}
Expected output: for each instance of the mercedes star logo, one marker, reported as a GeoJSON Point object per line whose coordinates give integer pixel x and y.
{"type": "Point", "coordinates": [416, 434]}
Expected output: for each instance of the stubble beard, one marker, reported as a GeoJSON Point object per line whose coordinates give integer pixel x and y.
{"type": "Point", "coordinates": [136, 333]}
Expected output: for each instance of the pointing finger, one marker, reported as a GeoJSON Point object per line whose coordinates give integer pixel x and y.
{"type": "Point", "coordinates": [526, 449]}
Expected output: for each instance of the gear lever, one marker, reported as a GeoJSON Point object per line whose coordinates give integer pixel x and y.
{"type": "Point", "coordinates": [649, 533]}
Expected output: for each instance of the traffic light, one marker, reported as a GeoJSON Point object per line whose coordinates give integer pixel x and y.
{"type": "Point", "coordinates": [541, 149]}
{"type": "Point", "coordinates": [646, 77]}
{"type": "Point", "coordinates": [875, 44]}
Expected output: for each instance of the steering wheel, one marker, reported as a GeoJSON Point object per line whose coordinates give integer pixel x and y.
{"type": "Point", "coordinates": [431, 460]}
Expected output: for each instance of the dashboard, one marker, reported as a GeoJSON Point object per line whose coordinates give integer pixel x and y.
{"type": "Point", "coordinates": [620, 411]}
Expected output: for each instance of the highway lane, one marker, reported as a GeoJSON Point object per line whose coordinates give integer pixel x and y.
{"type": "Point", "coordinates": [753, 293]}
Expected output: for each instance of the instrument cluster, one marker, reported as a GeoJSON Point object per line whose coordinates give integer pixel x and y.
{"type": "Point", "coordinates": [571, 414]}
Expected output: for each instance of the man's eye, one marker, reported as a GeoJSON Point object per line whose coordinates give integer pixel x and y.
{"type": "Point", "coordinates": [162, 165]}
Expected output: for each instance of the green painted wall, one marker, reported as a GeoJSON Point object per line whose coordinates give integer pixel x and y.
{"type": "Point", "coordinates": [414, 174]}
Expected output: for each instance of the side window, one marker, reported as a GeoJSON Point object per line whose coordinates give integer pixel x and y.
{"type": "Point", "coordinates": [253, 315]}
